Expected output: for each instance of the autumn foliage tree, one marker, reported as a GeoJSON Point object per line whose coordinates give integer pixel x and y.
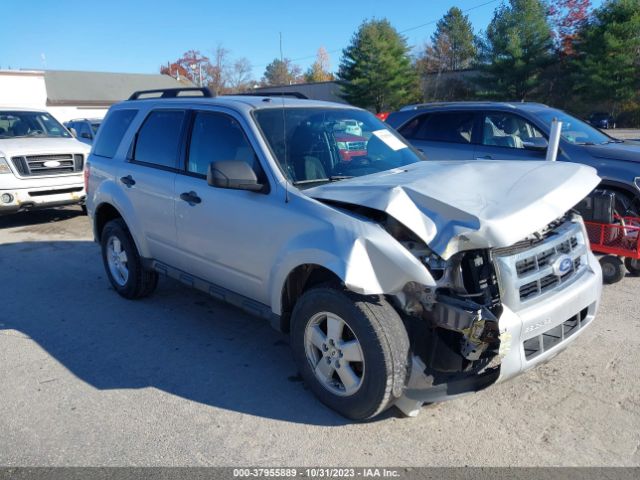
{"type": "Point", "coordinates": [219, 73]}
{"type": "Point", "coordinates": [566, 18]}
{"type": "Point", "coordinates": [187, 66]}
{"type": "Point", "coordinates": [320, 70]}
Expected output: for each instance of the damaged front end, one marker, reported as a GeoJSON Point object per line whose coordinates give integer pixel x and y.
{"type": "Point", "coordinates": [454, 327]}
{"type": "Point", "coordinates": [461, 329]}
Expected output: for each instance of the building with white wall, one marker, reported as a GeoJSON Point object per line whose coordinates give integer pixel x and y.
{"type": "Point", "coordinates": [70, 94]}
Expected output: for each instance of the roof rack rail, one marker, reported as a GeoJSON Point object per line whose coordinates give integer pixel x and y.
{"type": "Point", "coordinates": [292, 94]}
{"type": "Point", "coordinates": [171, 93]}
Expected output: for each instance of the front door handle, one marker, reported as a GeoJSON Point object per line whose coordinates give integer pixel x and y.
{"type": "Point", "coordinates": [486, 157]}
{"type": "Point", "coordinates": [191, 197]}
{"type": "Point", "coordinates": [128, 181]}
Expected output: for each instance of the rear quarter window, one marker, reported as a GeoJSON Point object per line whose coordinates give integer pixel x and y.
{"type": "Point", "coordinates": [112, 131]}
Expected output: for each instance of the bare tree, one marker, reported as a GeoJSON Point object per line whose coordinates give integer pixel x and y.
{"type": "Point", "coordinates": [239, 76]}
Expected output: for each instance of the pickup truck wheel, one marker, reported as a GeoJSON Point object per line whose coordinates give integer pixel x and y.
{"type": "Point", "coordinates": [122, 262]}
{"type": "Point", "coordinates": [352, 350]}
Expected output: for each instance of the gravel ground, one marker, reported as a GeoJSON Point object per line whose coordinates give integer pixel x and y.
{"type": "Point", "coordinates": [88, 378]}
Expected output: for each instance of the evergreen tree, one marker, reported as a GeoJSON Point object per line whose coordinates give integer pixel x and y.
{"type": "Point", "coordinates": [607, 61]}
{"type": "Point", "coordinates": [515, 50]}
{"type": "Point", "coordinates": [452, 44]}
{"type": "Point", "coordinates": [377, 68]}
{"type": "Point", "coordinates": [281, 72]}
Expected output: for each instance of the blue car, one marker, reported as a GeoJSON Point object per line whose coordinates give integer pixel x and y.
{"type": "Point", "coordinates": [520, 131]}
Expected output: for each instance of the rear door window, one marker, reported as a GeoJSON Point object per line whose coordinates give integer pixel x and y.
{"type": "Point", "coordinates": [158, 139]}
{"type": "Point", "coordinates": [452, 127]}
{"type": "Point", "coordinates": [114, 128]}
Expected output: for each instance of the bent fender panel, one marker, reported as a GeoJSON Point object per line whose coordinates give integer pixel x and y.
{"type": "Point", "coordinates": [369, 262]}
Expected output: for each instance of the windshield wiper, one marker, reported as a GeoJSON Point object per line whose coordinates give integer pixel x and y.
{"type": "Point", "coordinates": [333, 178]}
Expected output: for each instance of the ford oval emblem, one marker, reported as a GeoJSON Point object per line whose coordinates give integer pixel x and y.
{"type": "Point", "coordinates": [52, 164]}
{"type": "Point", "coordinates": [562, 265]}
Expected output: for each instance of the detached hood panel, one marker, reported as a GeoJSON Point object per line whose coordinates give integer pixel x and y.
{"type": "Point", "coordinates": [455, 206]}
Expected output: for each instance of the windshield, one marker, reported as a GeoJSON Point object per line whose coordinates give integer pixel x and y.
{"type": "Point", "coordinates": [573, 130]}
{"type": "Point", "coordinates": [17, 124]}
{"type": "Point", "coordinates": [329, 144]}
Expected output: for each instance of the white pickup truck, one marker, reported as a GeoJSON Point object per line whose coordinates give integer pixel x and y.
{"type": "Point", "coordinates": [41, 164]}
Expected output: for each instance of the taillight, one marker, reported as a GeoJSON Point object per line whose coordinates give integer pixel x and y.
{"type": "Point", "coordinates": [86, 178]}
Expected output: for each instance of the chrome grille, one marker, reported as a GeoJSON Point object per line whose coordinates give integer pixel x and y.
{"type": "Point", "coordinates": [530, 274]}
{"type": "Point", "coordinates": [34, 165]}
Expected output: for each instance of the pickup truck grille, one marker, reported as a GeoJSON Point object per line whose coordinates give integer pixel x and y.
{"type": "Point", "coordinates": [356, 145]}
{"type": "Point", "coordinates": [44, 165]}
{"type": "Point", "coordinates": [532, 273]}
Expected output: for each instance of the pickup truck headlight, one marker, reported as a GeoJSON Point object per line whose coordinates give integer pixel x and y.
{"type": "Point", "coordinates": [4, 166]}
{"type": "Point", "coordinates": [637, 182]}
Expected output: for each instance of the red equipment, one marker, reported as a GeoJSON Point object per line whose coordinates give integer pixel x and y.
{"type": "Point", "coordinates": [617, 240]}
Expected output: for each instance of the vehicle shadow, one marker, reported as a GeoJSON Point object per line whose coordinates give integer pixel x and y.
{"type": "Point", "coordinates": [38, 217]}
{"type": "Point", "coordinates": [178, 340]}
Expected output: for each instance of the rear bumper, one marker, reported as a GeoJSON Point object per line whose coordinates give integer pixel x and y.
{"type": "Point", "coordinates": [41, 197]}
{"type": "Point", "coordinates": [528, 338]}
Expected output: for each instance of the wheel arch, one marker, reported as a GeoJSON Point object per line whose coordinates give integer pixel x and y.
{"type": "Point", "coordinates": [299, 280]}
{"type": "Point", "coordinates": [107, 211]}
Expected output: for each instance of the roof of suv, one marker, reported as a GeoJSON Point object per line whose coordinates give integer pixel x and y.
{"type": "Point", "coordinates": [530, 106]}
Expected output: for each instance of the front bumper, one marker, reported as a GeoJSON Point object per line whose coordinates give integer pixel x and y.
{"type": "Point", "coordinates": [42, 197]}
{"type": "Point", "coordinates": [528, 338]}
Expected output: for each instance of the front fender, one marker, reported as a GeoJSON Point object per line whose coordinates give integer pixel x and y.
{"type": "Point", "coordinates": [370, 262]}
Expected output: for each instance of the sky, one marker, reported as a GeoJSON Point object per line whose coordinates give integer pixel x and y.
{"type": "Point", "coordinates": [138, 36]}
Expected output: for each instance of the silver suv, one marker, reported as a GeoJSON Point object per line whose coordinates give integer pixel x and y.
{"type": "Point", "coordinates": [399, 281]}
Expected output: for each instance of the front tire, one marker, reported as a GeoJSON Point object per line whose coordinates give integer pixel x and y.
{"type": "Point", "coordinates": [352, 350]}
{"type": "Point", "coordinates": [123, 264]}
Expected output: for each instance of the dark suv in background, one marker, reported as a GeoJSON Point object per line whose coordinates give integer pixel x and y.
{"type": "Point", "coordinates": [84, 129]}
{"type": "Point", "coordinates": [602, 120]}
{"type": "Point", "coordinates": [519, 131]}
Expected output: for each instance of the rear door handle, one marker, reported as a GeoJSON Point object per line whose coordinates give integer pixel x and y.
{"type": "Point", "coordinates": [486, 157]}
{"type": "Point", "coordinates": [128, 181]}
{"type": "Point", "coordinates": [191, 197]}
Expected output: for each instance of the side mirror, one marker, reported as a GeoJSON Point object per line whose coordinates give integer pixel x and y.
{"type": "Point", "coordinates": [73, 132]}
{"type": "Point", "coordinates": [233, 174]}
{"type": "Point", "coordinates": [536, 143]}
{"type": "Point", "coordinates": [86, 135]}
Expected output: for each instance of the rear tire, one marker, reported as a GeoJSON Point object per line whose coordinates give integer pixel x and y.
{"type": "Point", "coordinates": [612, 269]}
{"type": "Point", "coordinates": [633, 265]}
{"type": "Point", "coordinates": [123, 264]}
{"type": "Point", "coordinates": [352, 350]}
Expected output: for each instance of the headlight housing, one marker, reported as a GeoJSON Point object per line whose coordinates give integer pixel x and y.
{"type": "Point", "coordinates": [637, 182]}
{"type": "Point", "coordinates": [4, 166]}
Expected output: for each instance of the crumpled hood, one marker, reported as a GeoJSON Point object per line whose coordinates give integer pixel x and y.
{"type": "Point", "coordinates": [455, 206]}
{"type": "Point", "coordinates": [627, 151]}
{"type": "Point", "coordinates": [11, 147]}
